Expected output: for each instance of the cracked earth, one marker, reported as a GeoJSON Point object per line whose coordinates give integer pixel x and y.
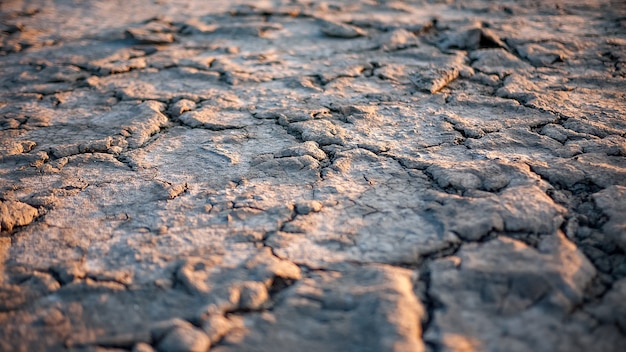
{"type": "Point", "coordinates": [300, 175]}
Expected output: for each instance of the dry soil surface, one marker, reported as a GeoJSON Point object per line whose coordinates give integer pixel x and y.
{"type": "Point", "coordinates": [312, 176]}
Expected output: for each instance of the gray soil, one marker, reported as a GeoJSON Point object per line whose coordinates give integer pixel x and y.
{"type": "Point", "coordinates": [300, 175]}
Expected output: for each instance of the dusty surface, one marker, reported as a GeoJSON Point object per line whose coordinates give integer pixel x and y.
{"type": "Point", "coordinates": [312, 176]}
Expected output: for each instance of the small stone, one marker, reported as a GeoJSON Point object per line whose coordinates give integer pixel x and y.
{"type": "Point", "coordinates": [307, 207]}
{"type": "Point", "coordinates": [397, 40]}
{"type": "Point", "coordinates": [145, 36]}
{"type": "Point", "coordinates": [466, 71]}
{"type": "Point", "coordinates": [253, 295]}
{"type": "Point", "coordinates": [185, 339]}
{"type": "Point", "coordinates": [161, 328]}
{"type": "Point", "coordinates": [181, 106]}
{"type": "Point", "coordinates": [232, 50]}
{"type": "Point", "coordinates": [174, 191]}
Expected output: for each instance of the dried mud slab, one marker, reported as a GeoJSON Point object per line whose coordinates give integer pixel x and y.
{"type": "Point", "coordinates": [308, 175]}
{"type": "Point", "coordinates": [371, 308]}
{"type": "Point", "coordinates": [489, 293]}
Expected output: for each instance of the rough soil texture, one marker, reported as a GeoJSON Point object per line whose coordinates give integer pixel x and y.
{"type": "Point", "coordinates": [312, 176]}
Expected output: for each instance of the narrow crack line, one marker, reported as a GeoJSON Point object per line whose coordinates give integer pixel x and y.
{"type": "Point", "coordinates": [215, 128]}
{"type": "Point", "coordinates": [561, 118]}
{"type": "Point", "coordinates": [429, 301]}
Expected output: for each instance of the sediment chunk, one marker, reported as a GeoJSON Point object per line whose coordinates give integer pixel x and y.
{"type": "Point", "coordinates": [185, 338]}
{"type": "Point", "coordinates": [341, 30]}
{"type": "Point", "coordinates": [14, 214]}
{"type": "Point", "coordinates": [433, 79]}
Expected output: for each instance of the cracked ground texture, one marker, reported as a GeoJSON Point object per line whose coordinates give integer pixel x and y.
{"type": "Point", "coordinates": [312, 176]}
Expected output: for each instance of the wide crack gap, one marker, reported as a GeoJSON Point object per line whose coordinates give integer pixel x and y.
{"type": "Point", "coordinates": [583, 226]}
{"type": "Point", "coordinates": [422, 289]}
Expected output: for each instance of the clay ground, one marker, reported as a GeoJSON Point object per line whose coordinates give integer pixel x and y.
{"type": "Point", "coordinates": [312, 176]}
